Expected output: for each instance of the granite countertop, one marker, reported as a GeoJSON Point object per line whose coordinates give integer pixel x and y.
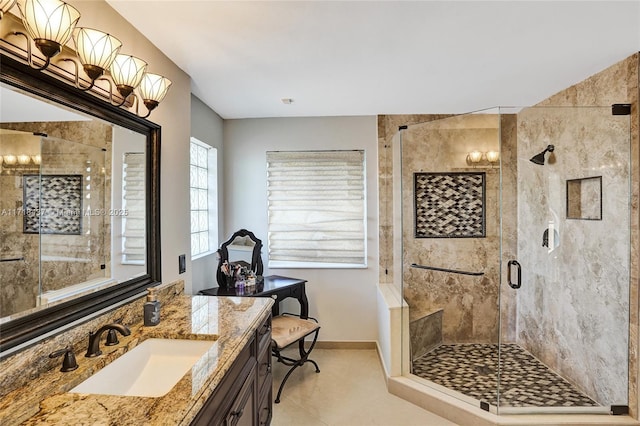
{"type": "Point", "coordinates": [229, 321]}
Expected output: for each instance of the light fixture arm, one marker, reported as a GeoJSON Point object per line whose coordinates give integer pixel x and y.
{"type": "Point", "coordinates": [137, 104]}
{"type": "Point", "coordinates": [124, 99]}
{"type": "Point", "coordinates": [29, 55]}
{"type": "Point", "coordinates": [77, 76]}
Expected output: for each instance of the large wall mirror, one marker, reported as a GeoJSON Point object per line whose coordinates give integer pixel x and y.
{"type": "Point", "coordinates": [79, 203]}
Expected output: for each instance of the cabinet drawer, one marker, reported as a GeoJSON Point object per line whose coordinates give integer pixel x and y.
{"type": "Point", "coordinates": [242, 412]}
{"type": "Point", "coordinates": [215, 410]}
{"type": "Point", "coordinates": [265, 409]}
{"type": "Point", "coordinates": [264, 368]}
{"type": "Point", "coordinates": [264, 334]}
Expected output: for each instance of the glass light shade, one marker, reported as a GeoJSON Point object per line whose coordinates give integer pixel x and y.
{"type": "Point", "coordinates": [493, 156]}
{"type": "Point", "coordinates": [154, 87]}
{"type": "Point", "coordinates": [49, 23]}
{"type": "Point", "coordinates": [475, 156]}
{"type": "Point", "coordinates": [5, 6]}
{"type": "Point", "coordinates": [96, 50]}
{"type": "Point", "coordinates": [23, 159]}
{"type": "Point", "coordinates": [10, 160]}
{"type": "Point", "coordinates": [37, 159]}
{"type": "Point", "coordinates": [127, 72]}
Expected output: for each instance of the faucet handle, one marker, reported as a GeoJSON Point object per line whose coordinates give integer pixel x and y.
{"type": "Point", "coordinates": [69, 362]}
{"type": "Point", "coordinates": [112, 338]}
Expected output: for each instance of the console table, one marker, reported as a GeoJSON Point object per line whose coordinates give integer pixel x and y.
{"type": "Point", "coordinates": [272, 286]}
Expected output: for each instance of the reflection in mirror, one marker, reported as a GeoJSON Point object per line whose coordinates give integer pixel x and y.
{"type": "Point", "coordinates": [242, 247]}
{"type": "Point", "coordinates": [72, 203]}
{"type": "Point", "coordinates": [584, 198]}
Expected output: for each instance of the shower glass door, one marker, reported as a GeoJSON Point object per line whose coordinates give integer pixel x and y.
{"type": "Point", "coordinates": [450, 249]}
{"type": "Point", "coordinates": [564, 293]}
{"type": "Point", "coordinates": [54, 217]}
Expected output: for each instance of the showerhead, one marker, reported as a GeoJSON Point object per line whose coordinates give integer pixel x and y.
{"type": "Point", "coordinates": [539, 158]}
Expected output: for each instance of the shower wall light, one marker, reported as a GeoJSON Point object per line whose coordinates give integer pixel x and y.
{"type": "Point", "coordinates": [50, 24]}
{"type": "Point", "coordinates": [477, 158]}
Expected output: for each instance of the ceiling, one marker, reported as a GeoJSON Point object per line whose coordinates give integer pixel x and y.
{"type": "Point", "coordinates": [337, 58]}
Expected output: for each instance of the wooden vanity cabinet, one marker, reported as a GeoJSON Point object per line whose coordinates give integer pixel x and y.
{"type": "Point", "coordinates": [244, 396]}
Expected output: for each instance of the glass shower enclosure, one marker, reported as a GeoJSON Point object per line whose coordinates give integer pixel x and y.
{"type": "Point", "coordinates": [52, 239]}
{"type": "Point", "coordinates": [516, 250]}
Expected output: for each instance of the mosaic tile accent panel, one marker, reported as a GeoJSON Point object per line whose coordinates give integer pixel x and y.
{"type": "Point", "coordinates": [52, 204]}
{"type": "Point", "coordinates": [472, 369]}
{"type": "Point", "coordinates": [449, 205]}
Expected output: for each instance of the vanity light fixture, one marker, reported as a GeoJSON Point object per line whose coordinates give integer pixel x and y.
{"type": "Point", "coordinates": [96, 51]}
{"type": "Point", "coordinates": [5, 6]}
{"type": "Point", "coordinates": [127, 72]}
{"type": "Point", "coordinates": [49, 23]}
{"type": "Point", "coordinates": [153, 89]}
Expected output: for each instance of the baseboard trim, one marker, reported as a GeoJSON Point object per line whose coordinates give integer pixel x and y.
{"type": "Point", "coordinates": [328, 344]}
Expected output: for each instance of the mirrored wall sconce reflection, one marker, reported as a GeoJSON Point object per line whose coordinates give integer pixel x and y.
{"type": "Point", "coordinates": [483, 159]}
{"type": "Point", "coordinates": [50, 24]}
{"type": "Point", "coordinates": [10, 163]}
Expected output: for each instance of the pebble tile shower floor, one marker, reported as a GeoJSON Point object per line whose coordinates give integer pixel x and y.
{"type": "Point", "coordinates": [472, 369]}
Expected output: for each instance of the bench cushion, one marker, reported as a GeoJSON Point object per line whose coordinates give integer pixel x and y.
{"type": "Point", "coordinates": [287, 329]}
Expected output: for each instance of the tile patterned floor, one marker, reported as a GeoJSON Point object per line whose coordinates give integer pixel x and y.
{"type": "Point", "coordinates": [472, 369]}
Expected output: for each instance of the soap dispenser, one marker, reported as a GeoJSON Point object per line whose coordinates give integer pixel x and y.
{"type": "Point", "coordinates": [151, 308]}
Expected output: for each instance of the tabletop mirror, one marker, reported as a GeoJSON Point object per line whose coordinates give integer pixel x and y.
{"type": "Point", "coordinates": [242, 248]}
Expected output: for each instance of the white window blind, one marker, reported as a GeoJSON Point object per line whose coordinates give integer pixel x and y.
{"type": "Point", "coordinates": [316, 208]}
{"type": "Point", "coordinates": [133, 203]}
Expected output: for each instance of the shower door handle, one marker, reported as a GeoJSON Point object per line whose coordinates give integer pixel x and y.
{"type": "Point", "coordinates": [517, 265]}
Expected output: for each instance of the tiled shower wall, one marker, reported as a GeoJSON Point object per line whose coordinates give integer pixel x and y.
{"type": "Point", "coordinates": [60, 266]}
{"type": "Point", "coordinates": [469, 303]}
{"type": "Point", "coordinates": [592, 267]}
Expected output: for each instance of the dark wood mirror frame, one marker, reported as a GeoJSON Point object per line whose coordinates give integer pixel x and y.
{"type": "Point", "coordinates": [256, 256]}
{"type": "Point", "coordinates": [29, 327]}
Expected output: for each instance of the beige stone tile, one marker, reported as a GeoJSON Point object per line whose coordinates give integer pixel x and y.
{"type": "Point", "coordinates": [349, 390]}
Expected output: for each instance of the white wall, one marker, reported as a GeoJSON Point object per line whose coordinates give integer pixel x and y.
{"type": "Point", "coordinates": [206, 126]}
{"type": "Point", "coordinates": [343, 300]}
{"type": "Point", "coordinates": [173, 114]}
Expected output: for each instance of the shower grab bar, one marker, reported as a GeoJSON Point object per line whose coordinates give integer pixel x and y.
{"type": "Point", "coordinates": [453, 271]}
{"type": "Point", "coordinates": [12, 259]}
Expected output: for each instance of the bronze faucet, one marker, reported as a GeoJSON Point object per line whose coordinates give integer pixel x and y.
{"type": "Point", "coordinates": [94, 338]}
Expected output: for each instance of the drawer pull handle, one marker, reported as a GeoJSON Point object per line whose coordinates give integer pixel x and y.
{"type": "Point", "coordinates": [268, 369]}
{"type": "Point", "coordinates": [237, 414]}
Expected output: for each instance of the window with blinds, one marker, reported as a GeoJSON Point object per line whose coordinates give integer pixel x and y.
{"type": "Point", "coordinates": [133, 203]}
{"type": "Point", "coordinates": [317, 209]}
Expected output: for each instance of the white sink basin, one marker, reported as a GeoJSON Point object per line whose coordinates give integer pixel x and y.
{"type": "Point", "coordinates": [151, 369]}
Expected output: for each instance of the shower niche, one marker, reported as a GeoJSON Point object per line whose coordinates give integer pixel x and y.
{"type": "Point", "coordinates": [584, 198]}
